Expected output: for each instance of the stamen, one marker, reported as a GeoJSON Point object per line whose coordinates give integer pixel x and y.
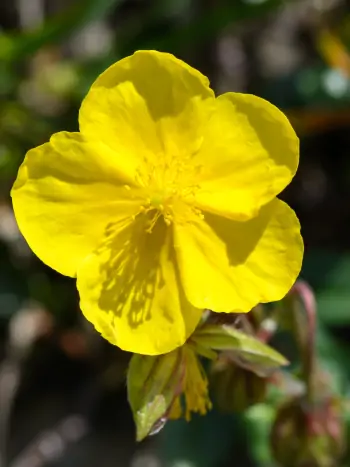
{"type": "Point", "coordinates": [153, 221]}
{"type": "Point", "coordinates": [170, 188]}
{"type": "Point", "coordinates": [195, 394]}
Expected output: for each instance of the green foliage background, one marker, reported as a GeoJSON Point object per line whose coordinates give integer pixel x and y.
{"type": "Point", "coordinates": [273, 48]}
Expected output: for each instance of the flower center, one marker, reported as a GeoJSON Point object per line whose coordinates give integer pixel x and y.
{"type": "Point", "coordinates": [171, 189]}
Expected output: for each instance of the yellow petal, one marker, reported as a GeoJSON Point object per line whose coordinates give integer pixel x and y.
{"type": "Point", "coordinates": [250, 154]}
{"type": "Point", "coordinates": [230, 266]}
{"type": "Point", "coordinates": [66, 193]}
{"type": "Point", "coordinates": [149, 103]}
{"type": "Point", "coordinates": [129, 289]}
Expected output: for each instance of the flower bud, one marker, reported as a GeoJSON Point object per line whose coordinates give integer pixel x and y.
{"type": "Point", "coordinates": [236, 388]}
{"type": "Point", "coordinates": [308, 436]}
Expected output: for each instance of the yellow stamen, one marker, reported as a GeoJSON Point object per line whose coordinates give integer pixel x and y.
{"type": "Point", "coordinates": [195, 389]}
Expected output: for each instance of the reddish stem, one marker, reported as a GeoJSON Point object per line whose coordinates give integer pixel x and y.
{"type": "Point", "coordinates": [304, 292]}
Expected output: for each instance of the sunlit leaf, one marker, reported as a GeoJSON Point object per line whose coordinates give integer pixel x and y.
{"type": "Point", "coordinates": [246, 351]}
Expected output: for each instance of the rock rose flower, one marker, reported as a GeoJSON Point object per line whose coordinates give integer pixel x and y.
{"type": "Point", "coordinates": [164, 203]}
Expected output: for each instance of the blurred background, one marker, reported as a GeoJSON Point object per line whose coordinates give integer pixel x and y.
{"type": "Point", "coordinates": [62, 388]}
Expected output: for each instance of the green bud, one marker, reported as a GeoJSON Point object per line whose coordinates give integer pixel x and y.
{"type": "Point", "coordinates": [236, 388]}
{"type": "Point", "coordinates": [305, 436]}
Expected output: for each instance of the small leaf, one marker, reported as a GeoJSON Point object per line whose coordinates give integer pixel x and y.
{"type": "Point", "coordinates": [153, 383]}
{"type": "Point", "coordinates": [245, 350]}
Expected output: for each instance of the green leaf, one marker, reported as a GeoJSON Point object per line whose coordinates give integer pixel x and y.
{"type": "Point", "coordinates": [153, 384]}
{"type": "Point", "coordinates": [246, 351]}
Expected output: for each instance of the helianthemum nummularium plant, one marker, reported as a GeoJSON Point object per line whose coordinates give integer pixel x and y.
{"type": "Point", "coordinates": [164, 203]}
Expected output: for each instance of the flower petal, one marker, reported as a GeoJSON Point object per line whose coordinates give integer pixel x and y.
{"type": "Point", "coordinates": [230, 266]}
{"type": "Point", "coordinates": [66, 193]}
{"type": "Point", "coordinates": [250, 154]}
{"type": "Point", "coordinates": [130, 290]}
{"type": "Point", "coordinates": [148, 102]}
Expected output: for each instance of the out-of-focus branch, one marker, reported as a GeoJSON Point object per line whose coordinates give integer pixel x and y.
{"type": "Point", "coordinates": [10, 372]}
{"type": "Point", "coordinates": [26, 326]}
{"type": "Point", "coordinates": [51, 444]}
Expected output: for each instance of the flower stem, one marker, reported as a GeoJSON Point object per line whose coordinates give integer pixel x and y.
{"type": "Point", "coordinates": [305, 294]}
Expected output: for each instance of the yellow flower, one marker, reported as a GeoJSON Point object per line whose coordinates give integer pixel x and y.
{"type": "Point", "coordinates": [195, 390]}
{"type": "Point", "coordinates": [164, 203]}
